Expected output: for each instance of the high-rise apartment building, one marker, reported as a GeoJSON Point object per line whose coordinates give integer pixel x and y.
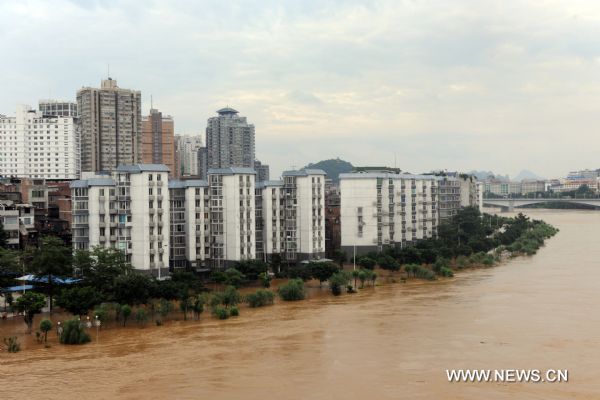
{"type": "Point", "coordinates": [187, 148]}
{"type": "Point", "coordinates": [291, 216]}
{"type": "Point", "coordinates": [58, 108]}
{"type": "Point", "coordinates": [158, 141]}
{"type": "Point", "coordinates": [262, 171]}
{"type": "Point", "coordinates": [386, 208]}
{"type": "Point", "coordinates": [229, 140]}
{"type": "Point", "coordinates": [38, 145]}
{"type": "Point", "coordinates": [110, 126]}
{"type": "Point", "coordinates": [128, 210]}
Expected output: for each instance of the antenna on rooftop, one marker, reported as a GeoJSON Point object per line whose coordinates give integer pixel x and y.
{"type": "Point", "coordinates": [108, 70]}
{"type": "Point", "coordinates": [151, 103]}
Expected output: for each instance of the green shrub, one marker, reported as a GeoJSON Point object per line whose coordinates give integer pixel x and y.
{"type": "Point", "coordinates": [423, 273]}
{"type": "Point", "coordinates": [220, 312]}
{"type": "Point", "coordinates": [102, 313]}
{"type": "Point", "coordinates": [12, 344]}
{"type": "Point", "coordinates": [141, 316]}
{"type": "Point", "coordinates": [260, 298]}
{"type": "Point", "coordinates": [447, 272]}
{"type": "Point", "coordinates": [440, 263]}
{"type": "Point", "coordinates": [488, 260]}
{"type": "Point", "coordinates": [74, 333]}
{"type": "Point", "coordinates": [292, 291]}
{"type": "Point", "coordinates": [234, 311]}
{"type": "Point", "coordinates": [339, 280]}
{"type": "Point", "coordinates": [45, 326]}
{"type": "Point", "coordinates": [125, 313]}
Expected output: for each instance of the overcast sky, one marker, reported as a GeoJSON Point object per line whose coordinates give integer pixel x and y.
{"type": "Point", "coordinates": [493, 85]}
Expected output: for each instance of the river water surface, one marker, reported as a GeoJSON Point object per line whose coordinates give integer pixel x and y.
{"type": "Point", "coordinates": [391, 342]}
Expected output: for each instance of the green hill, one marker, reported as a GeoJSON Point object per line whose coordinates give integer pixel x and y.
{"type": "Point", "coordinates": [333, 168]}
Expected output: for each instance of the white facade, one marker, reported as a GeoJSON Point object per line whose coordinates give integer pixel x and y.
{"type": "Point", "coordinates": [129, 211]}
{"type": "Point", "coordinates": [293, 216]}
{"type": "Point", "coordinates": [189, 223]}
{"type": "Point", "coordinates": [33, 145]}
{"type": "Point", "coordinates": [232, 217]}
{"type": "Point", "coordinates": [380, 209]}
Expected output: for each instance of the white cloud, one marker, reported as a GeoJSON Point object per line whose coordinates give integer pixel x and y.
{"type": "Point", "coordinates": [499, 85]}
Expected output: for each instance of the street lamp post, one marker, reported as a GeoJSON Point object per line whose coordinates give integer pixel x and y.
{"type": "Point", "coordinates": [97, 322]}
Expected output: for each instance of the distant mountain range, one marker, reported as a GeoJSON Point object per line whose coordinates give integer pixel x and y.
{"type": "Point", "coordinates": [483, 175]}
{"type": "Point", "coordinates": [524, 174]}
{"type": "Point", "coordinates": [333, 168]}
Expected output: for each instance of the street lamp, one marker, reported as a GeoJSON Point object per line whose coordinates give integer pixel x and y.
{"type": "Point", "coordinates": [97, 322]}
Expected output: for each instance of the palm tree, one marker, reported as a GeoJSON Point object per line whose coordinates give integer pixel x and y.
{"type": "Point", "coordinates": [355, 274]}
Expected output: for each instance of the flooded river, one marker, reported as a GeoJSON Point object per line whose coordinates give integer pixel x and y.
{"type": "Point", "coordinates": [391, 342]}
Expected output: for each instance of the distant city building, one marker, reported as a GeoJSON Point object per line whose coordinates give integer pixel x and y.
{"type": "Point", "coordinates": [382, 208]}
{"type": "Point", "coordinates": [57, 108]}
{"type": "Point", "coordinates": [35, 145]}
{"type": "Point", "coordinates": [110, 126]}
{"type": "Point", "coordinates": [532, 186]}
{"type": "Point", "coordinates": [187, 147]}
{"type": "Point", "coordinates": [585, 174]}
{"type": "Point", "coordinates": [202, 163]}
{"type": "Point", "coordinates": [262, 171]}
{"type": "Point", "coordinates": [503, 188]}
{"type": "Point", "coordinates": [158, 145]}
{"type": "Point", "coordinates": [229, 140]}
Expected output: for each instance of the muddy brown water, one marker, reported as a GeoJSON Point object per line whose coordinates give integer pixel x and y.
{"type": "Point", "coordinates": [390, 342]}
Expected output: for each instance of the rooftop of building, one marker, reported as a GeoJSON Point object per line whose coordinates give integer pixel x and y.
{"type": "Point", "coordinates": [387, 175]}
{"type": "Point", "coordinates": [183, 184]}
{"type": "Point", "coordinates": [231, 171]}
{"type": "Point", "coordinates": [86, 183]}
{"type": "Point", "coordinates": [138, 168]}
{"type": "Point", "coordinates": [227, 111]}
{"type": "Point", "coordinates": [304, 172]}
{"type": "Point", "coordinates": [264, 184]}
{"type": "Point", "coordinates": [388, 170]}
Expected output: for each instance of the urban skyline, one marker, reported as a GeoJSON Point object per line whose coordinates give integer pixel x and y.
{"type": "Point", "coordinates": [477, 85]}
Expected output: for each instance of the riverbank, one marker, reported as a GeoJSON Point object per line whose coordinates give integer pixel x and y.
{"type": "Point", "coordinates": [384, 343]}
{"type": "Point", "coordinates": [114, 331]}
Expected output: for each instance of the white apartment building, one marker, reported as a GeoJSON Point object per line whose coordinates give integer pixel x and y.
{"type": "Point", "coordinates": [291, 216]}
{"type": "Point", "coordinates": [127, 210]}
{"type": "Point", "coordinates": [232, 235]}
{"type": "Point", "coordinates": [189, 224]}
{"type": "Point", "coordinates": [35, 145]}
{"type": "Point", "coordinates": [384, 208]}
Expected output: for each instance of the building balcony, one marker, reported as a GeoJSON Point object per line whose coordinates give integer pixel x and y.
{"type": "Point", "coordinates": [113, 238]}
{"type": "Point", "coordinates": [159, 238]}
{"type": "Point", "coordinates": [159, 183]}
{"type": "Point", "coordinates": [102, 238]}
{"type": "Point", "coordinates": [151, 211]}
{"type": "Point", "coordinates": [150, 183]}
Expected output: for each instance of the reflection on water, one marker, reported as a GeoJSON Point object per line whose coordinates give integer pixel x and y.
{"type": "Point", "coordinates": [391, 342]}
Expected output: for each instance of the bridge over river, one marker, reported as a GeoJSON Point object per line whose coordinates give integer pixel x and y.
{"type": "Point", "coordinates": [510, 204]}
